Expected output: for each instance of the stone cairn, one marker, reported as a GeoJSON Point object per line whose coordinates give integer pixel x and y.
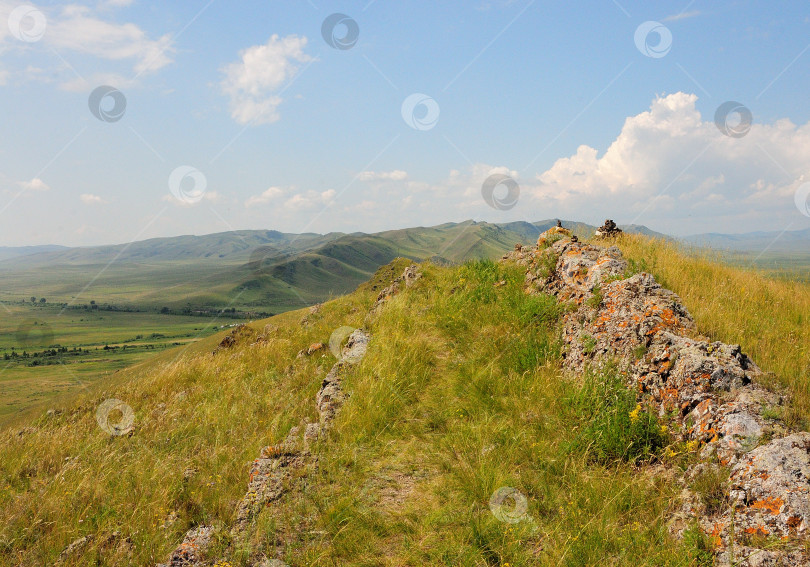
{"type": "Point", "coordinates": [710, 390]}
{"type": "Point", "coordinates": [608, 229]}
{"type": "Point", "coordinates": [272, 473]}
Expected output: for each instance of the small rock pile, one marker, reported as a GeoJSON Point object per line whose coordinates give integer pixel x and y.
{"type": "Point", "coordinates": [608, 229]}
{"type": "Point", "coordinates": [709, 389]}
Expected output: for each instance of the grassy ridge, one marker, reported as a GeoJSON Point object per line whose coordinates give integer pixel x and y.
{"type": "Point", "coordinates": [769, 317]}
{"type": "Point", "coordinates": [459, 399]}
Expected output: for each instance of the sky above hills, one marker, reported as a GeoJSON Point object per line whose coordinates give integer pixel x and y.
{"type": "Point", "coordinates": [125, 119]}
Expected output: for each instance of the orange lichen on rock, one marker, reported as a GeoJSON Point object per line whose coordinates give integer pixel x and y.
{"type": "Point", "coordinates": [757, 530]}
{"type": "Point", "coordinates": [772, 505]}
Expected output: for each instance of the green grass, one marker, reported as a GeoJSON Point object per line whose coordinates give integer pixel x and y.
{"type": "Point", "coordinates": [460, 398]}
{"type": "Point", "coordinates": [460, 395]}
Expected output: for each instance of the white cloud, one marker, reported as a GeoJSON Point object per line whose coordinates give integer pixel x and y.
{"type": "Point", "coordinates": [291, 199]}
{"type": "Point", "coordinates": [36, 184]}
{"type": "Point", "coordinates": [75, 28]}
{"type": "Point", "coordinates": [396, 175]}
{"type": "Point", "coordinates": [268, 196]}
{"type": "Point", "coordinates": [253, 81]}
{"type": "Point", "coordinates": [310, 200]}
{"type": "Point", "coordinates": [90, 199]}
{"type": "Point", "coordinates": [668, 164]}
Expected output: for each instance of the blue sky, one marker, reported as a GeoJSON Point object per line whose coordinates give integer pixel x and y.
{"type": "Point", "coordinates": [273, 128]}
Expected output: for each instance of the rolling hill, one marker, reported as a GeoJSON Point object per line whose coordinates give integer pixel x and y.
{"type": "Point", "coordinates": [247, 270]}
{"type": "Point", "coordinates": [460, 439]}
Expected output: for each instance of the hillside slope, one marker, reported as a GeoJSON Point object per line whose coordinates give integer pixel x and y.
{"type": "Point", "coordinates": [458, 396]}
{"type": "Point", "coordinates": [459, 440]}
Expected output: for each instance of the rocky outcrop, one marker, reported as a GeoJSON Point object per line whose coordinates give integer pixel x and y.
{"type": "Point", "coordinates": [708, 389]}
{"type": "Point", "coordinates": [408, 277]}
{"type": "Point", "coordinates": [190, 551]}
{"type": "Point", "coordinates": [240, 332]}
{"type": "Point", "coordinates": [553, 234]}
{"type": "Point", "coordinates": [331, 395]}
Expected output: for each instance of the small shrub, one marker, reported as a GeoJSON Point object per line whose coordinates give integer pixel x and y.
{"type": "Point", "coordinates": [613, 426]}
{"type": "Point", "coordinates": [636, 267]}
{"type": "Point", "coordinates": [547, 263]}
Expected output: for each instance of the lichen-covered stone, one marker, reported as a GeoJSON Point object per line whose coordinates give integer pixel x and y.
{"type": "Point", "coordinates": [771, 485]}
{"type": "Point", "coordinates": [708, 388]}
{"type": "Point", "coordinates": [189, 552]}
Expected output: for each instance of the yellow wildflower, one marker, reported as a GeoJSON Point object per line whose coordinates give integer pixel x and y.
{"type": "Point", "coordinates": [634, 414]}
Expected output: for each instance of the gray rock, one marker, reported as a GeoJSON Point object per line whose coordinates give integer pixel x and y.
{"type": "Point", "coordinates": [709, 388]}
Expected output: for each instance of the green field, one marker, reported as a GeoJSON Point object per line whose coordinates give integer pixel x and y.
{"type": "Point", "coordinates": [46, 350]}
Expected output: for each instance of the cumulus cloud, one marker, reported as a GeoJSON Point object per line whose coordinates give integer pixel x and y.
{"type": "Point", "coordinates": [310, 200]}
{"type": "Point", "coordinates": [669, 163]}
{"type": "Point", "coordinates": [396, 175]}
{"type": "Point", "coordinates": [291, 199]}
{"type": "Point", "coordinates": [76, 28]}
{"type": "Point", "coordinates": [90, 199]}
{"type": "Point", "coordinates": [36, 184]}
{"type": "Point", "coordinates": [252, 83]}
{"type": "Point", "coordinates": [268, 196]}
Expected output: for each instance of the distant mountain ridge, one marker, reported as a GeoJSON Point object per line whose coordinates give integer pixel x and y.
{"type": "Point", "coordinates": [238, 245]}
{"type": "Point", "coordinates": [267, 270]}
{"type": "Point", "coordinates": [249, 269]}
{"type": "Point", "coordinates": [787, 241]}
{"type": "Point", "coordinates": [7, 252]}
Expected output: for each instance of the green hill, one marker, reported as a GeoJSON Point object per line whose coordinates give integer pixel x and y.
{"type": "Point", "coordinates": [459, 441]}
